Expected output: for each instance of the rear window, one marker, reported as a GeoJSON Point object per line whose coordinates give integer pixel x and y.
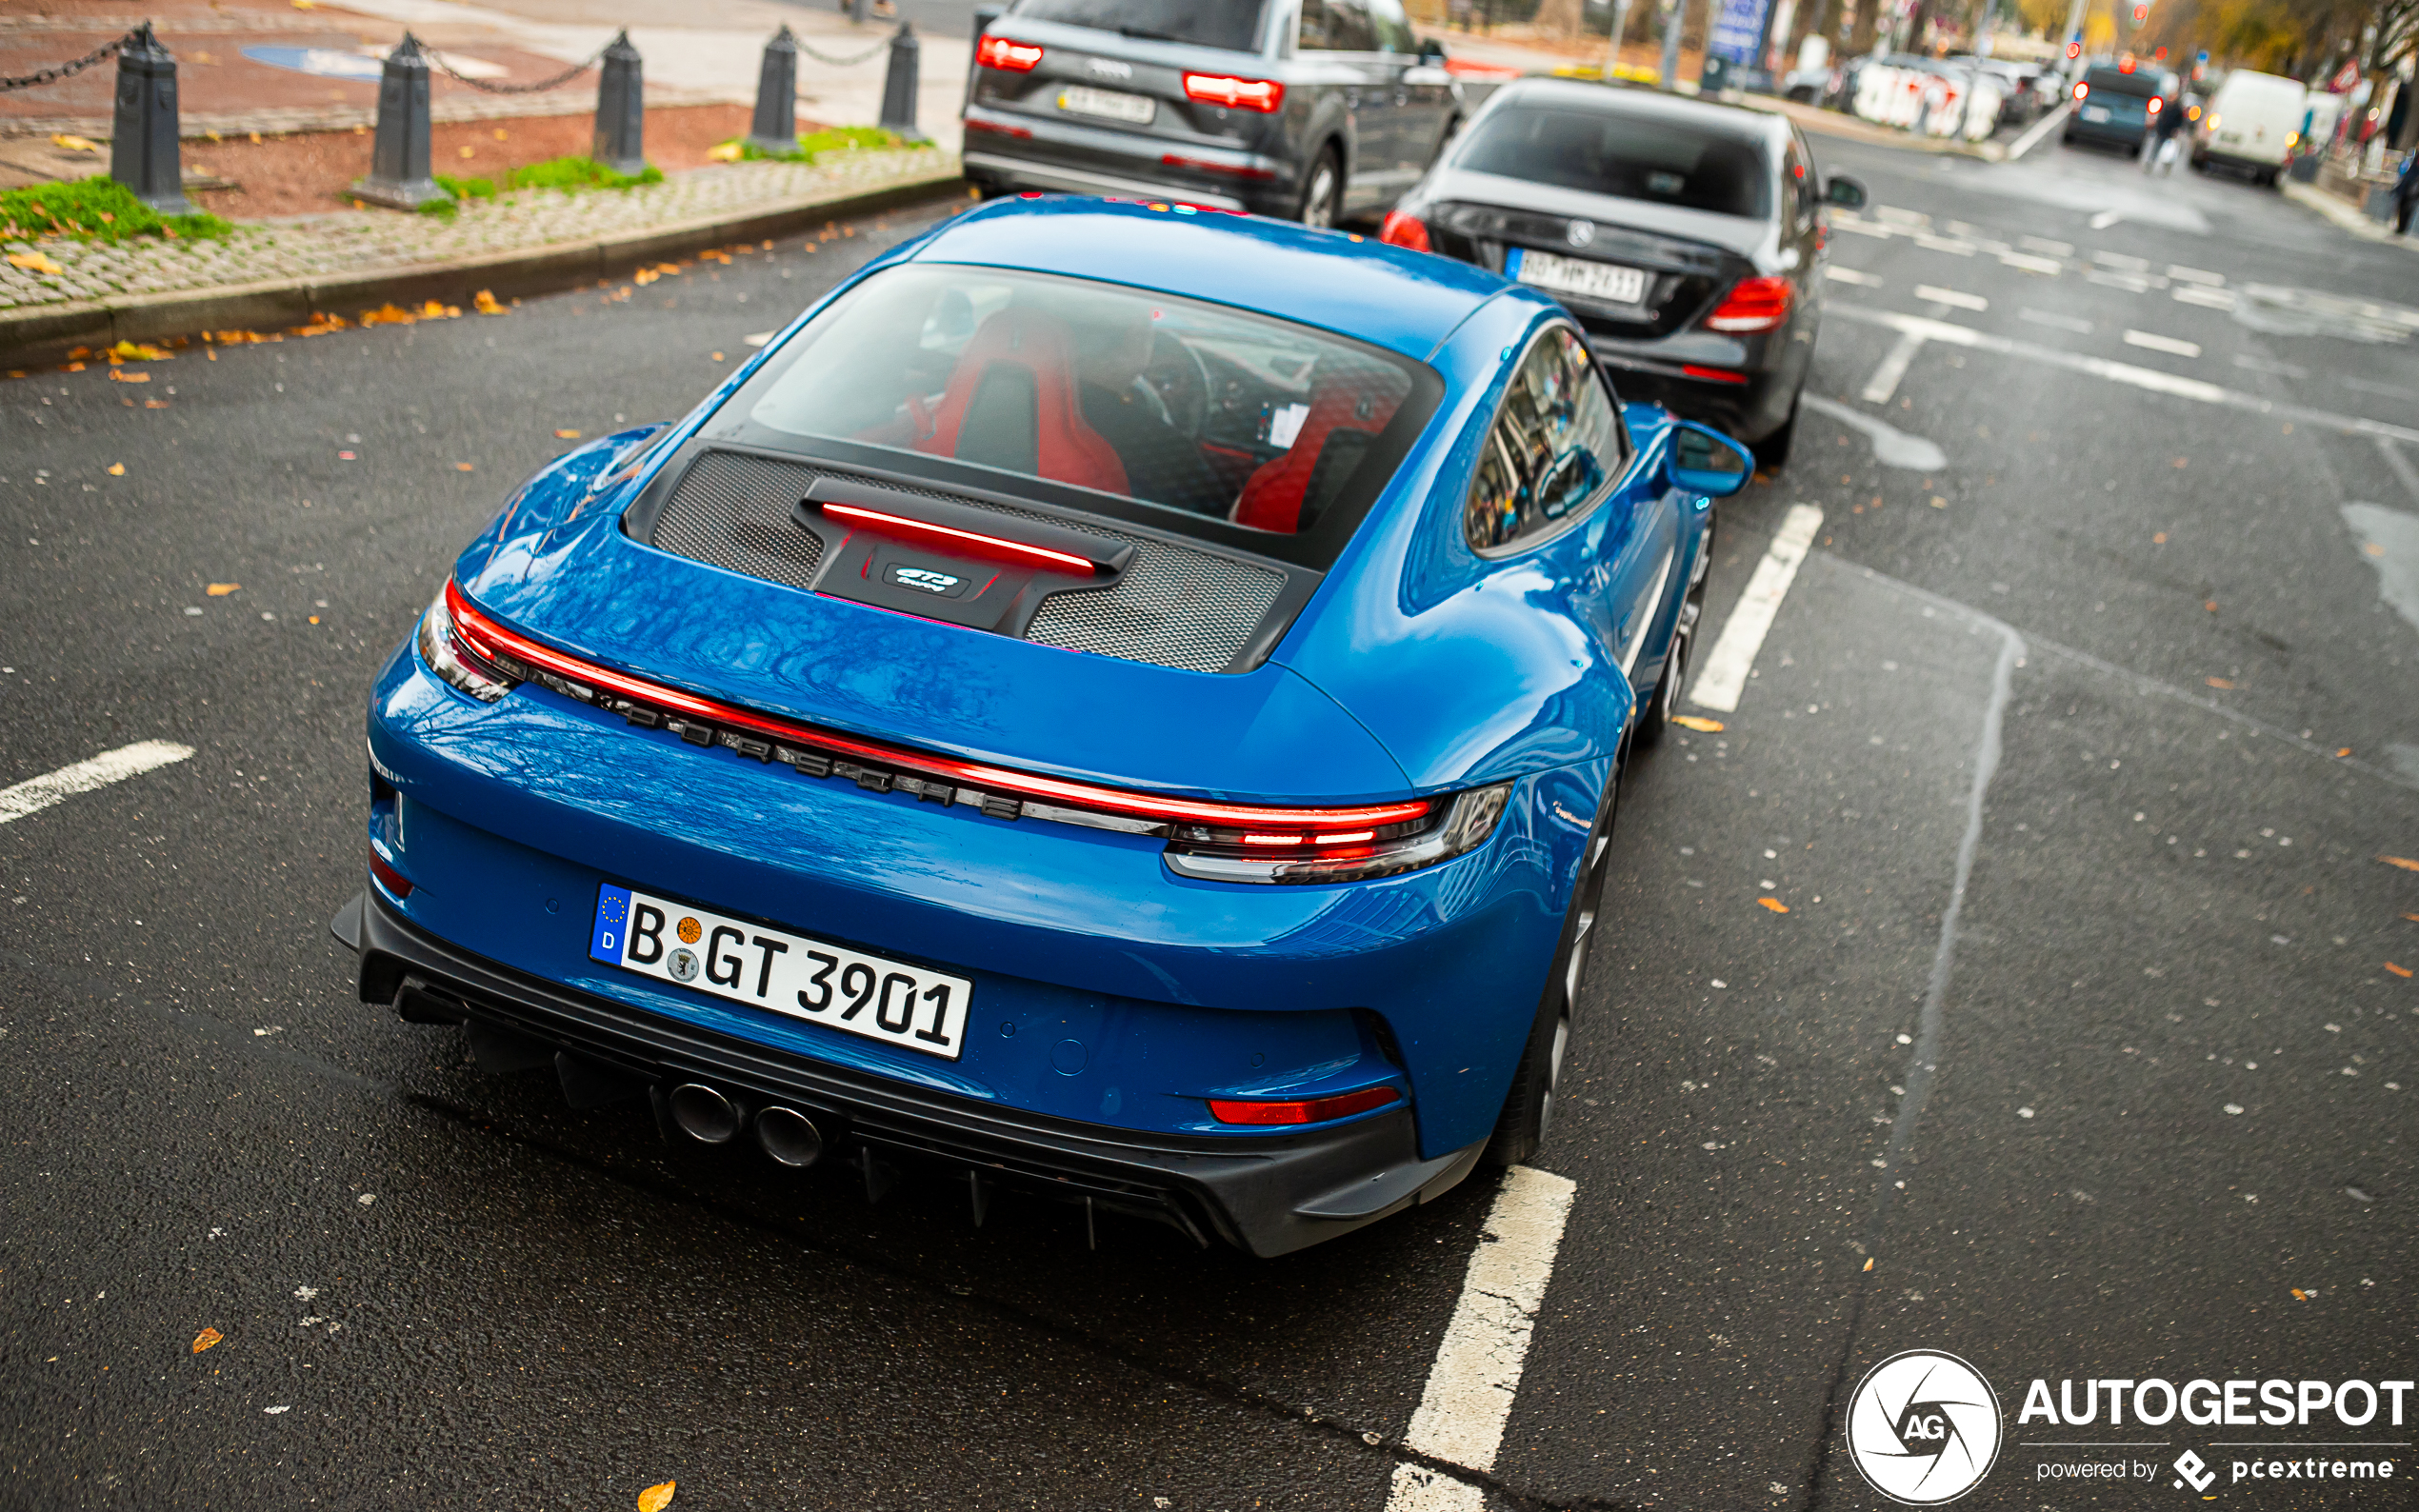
{"type": "Point", "coordinates": [1230, 24]}
{"type": "Point", "coordinates": [1193, 417]}
{"type": "Point", "coordinates": [1668, 161]}
{"type": "Point", "coordinates": [2116, 80]}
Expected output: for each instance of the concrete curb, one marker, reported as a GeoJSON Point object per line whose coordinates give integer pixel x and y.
{"type": "Point", "coordinates": [2310, 196]}
{"type": "Point", "coordinates": [42, 334]}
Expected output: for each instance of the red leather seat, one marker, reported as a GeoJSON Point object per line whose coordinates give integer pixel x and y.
{"type": "Point", "coordinates": [1272, 496]}
{"type": "Point", "coordinates": [1019, 370]}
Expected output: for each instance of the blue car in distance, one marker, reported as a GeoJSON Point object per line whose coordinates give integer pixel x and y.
{"type": "Point", "coordinates": [1120, 701]}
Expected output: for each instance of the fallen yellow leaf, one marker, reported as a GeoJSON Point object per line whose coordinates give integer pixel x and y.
{"type": "Point", "coordinates": [119, 375]}
{"type": "Point", "coordinates": [462, 467]}
{"type": "Point", "coordinates": [2159, 539]}
{"type": "Point", "coordinates": [74, 144]}
{"type": "Point", "coordinates": [155, 403]}
{"type": "Point", "coordinates": [2217, 682]}
{"type": "Point", "coordinates": [2412, 917]}
{"type": "Point", "coordinates": [35, 263]}
{"type": "Point", "coordinates": [725, 152]}
{"type": "Point", "coordinates": [2299, 1295]}
{"type": "Point", "coordinates": [485, 304]}
{"type": "Point", "coordinates": [389, 314]}
{"type": "Point", "coordinates": [117, 469]}
{"type": "Point", "coordinates": [1697, 723]}
{"type": "Point", "coordinates": [2400, 971]}
{"type": "Point", "coordinates": [1774, 903]}
{"type": "Point", "coordinates": [2345, 751]}
{"type": "Point", "coordinates": [1869, 1263]}
{"type": "Point", "coordinates": [220, 590]}
{"type": "Point", "coordinates": [2404, 862]}
{"type": "Point", "coordinates": [2374, 550]}
{"type": "Point", "coordinates": [567, 435]}
{"type": "Point", "coordinates": [136, 351]}
{"type": "Point", "coordinates": [656, 1497]}
{"type": "Point", "coordinates": [204, 1338]}
{"type": "Point", "coordinates": [718, 356]}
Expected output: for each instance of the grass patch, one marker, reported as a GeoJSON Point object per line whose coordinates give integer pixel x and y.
{"type": "Point", "coordinates": [97, 209]}
{"type": "Point", "coordinates": [815, 143]}
{"type": "Point", "coordinates": [570, 175]}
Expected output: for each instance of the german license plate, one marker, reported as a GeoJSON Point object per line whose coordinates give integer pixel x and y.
{"type": "Point", "coordinates": [791, 974]}
{"type": "Point", "coordinates": [2095, 112]}
{"type": "Point", "coordinates": [1609, 282]}
{"type": "Point", "coordinates": [1135, 109]}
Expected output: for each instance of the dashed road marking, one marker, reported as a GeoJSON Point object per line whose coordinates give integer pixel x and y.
{"type": "Point", "coordinates": [1849, 275]}
{"type": "Point", "coordinates": [2028, 262]}
{"type": "Point", "coordinates": [2055, 321]}
{"type": "Point", "coordinates": [2044, 244]}
{"type": "Point", "coordinates": [2207, 298]}
{"type": "Point", "coordinates": [2194, 275]}
{"type": "Point", "coordinates": [1733, 656]}
{"type": "Point", "coordinates": [1955, 298]}
{"type": "Point", "coordinates": [2152, 340]}
{"type": "Point", "coordinates": [37, 793]}
{"type": "Point", "coordinates": [1470, 1386]}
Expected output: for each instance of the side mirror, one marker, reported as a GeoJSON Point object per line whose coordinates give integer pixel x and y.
{"type": "Point", "coordinates": [1708, 462]}
{"type": "Point", "coordinates": [1843, 192]}
{"type": "Point", "coordinates": [1432, 52]}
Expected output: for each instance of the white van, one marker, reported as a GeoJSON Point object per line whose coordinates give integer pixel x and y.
{"type": "Point", "coordinates": [2253, 123]}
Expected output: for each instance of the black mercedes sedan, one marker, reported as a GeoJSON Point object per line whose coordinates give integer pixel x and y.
{"type": "Point", "coordinates": [1685, 235]}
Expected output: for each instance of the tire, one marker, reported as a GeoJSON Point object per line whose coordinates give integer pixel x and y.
{"type": "Point", "coordinates": [1528, 1109]}
{"type": "Point", "coordinates": [1323, 192]}
{"type": "Point", "coordinates": [1772, 452]}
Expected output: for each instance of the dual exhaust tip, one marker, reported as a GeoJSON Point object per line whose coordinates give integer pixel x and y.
{"type": "Point", "coordinates": [712, 1118]}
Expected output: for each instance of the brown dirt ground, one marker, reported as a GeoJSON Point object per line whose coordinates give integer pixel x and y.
{"type": "Point", "coordinates": [309, 172]}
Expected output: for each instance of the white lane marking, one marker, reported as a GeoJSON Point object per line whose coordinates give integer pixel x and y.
{"type": "Point", "coordinates": [1898, 217]}
{"type": "Point", "coordinates": [2039, 129]}
{"type": "Point", "coordinates": [1733, 658]}
{"type": "Point", "coordinates": [1860, 226]}
{"type": "Point", "coordinates": [2105, 278]}
{"type": "Point", "coordinates": [37, 793]}
{"type": "Point", "coordinates": [1955, 298]}
{"type": "Point", "coordinates": [2259, 364]}
{"type": "Point", "coordinates": [1849, 275]}
{"type": "Point", "coordinates": [2195, 275]}
{"type": "Point", "coordinates": [1470, 1386]}
{"type": "Point", "coordinates": [2403, 470]}
{"type": "Point", "coordinates": [2155, 342]}
{"type": "Point", "coordinates": [2208, 393]}
{"type": "Point", "coordinates": [2043, 244]}
{"type": "Point", "coordinates": [2025, 262]}
{"type": "Point", "coordinates": [2055, 321]}
{"type": "Point", "coordinates": [1885, 379]}
{"type": "Point", "coordinates": [2106, 219]}
{"type": "Point", "coordinates": [2130, 265]}
{"type": "Point", "coordinates": [2207, 298]}
{"type": "Point", "coordinates": [1893, 447]}
{"type": "Point", "coordinates": [1944, 244]}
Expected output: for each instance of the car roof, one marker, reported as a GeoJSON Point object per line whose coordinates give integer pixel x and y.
{"type": "Point", "coordinates": [1645, 105]}
{"type": "Point", "coordinates": [1355, 285]}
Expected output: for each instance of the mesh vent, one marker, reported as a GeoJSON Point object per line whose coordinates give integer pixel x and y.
{"type": "Point", "coordinates": [1174, 607]}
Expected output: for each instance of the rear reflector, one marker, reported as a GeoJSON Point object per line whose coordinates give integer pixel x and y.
{"type": "Point", "coordinates": [1753, 304]}
{"type": "Point", "coordinates": [1404, 230]}
{"type": "Point", "coordinates": [1203, 165]}
{"type": "Point", "coordinates": [1264, 95]}
{"type": "Point", "coordinates": [492, 642]}
{"type": "Point", "coordinates": [998, 52]}
{"type": "Point", "coordinates": [393, 881]}
{"type": "Point", "coordinates": [1305, 1110]}
{"type": "Point", "coordinates": [1719, 375]}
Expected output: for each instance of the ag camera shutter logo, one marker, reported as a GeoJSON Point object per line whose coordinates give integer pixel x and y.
{"type": "Point", "coordinates": [1924, 1428]}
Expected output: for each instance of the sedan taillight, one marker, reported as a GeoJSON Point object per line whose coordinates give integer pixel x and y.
{"type": "Point", "coordinates": [1752, 305]}
{"type": "Point", "coordinates": [1264, 95]}
{"type": "Point", "coordinates": [998, 52]}
{"type": "Point", "coordinates": [1404, 230]}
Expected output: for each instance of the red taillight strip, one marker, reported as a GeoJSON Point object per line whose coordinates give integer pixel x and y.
{"type": "Point", "coordinates": [990, 544]}
{"type": "Point", "coordinates": [487, 638]}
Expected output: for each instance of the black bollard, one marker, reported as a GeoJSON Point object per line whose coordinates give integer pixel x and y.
{"type": "Point", "coordinates": [620, 110]}
{"type": "Point", "coordinates": [983, 16]}
{"type": "Point", "coordinates": [399, 156]}
{"type": "Point", "coordinates": [898, 86]}
{"type": "Point", "coordinates": [143, 152]}
{"type": "Point", "coordinates": [858, 10]}
{"type": "Point", "coordinates": [777, 124]}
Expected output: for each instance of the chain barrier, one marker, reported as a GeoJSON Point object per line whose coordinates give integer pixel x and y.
{"type": "Point", "coordinates": [436, 60]}
{"type": "Point", "coordinates": [67, 70]}
{"type": "Point", "coordinates": [829, 61]}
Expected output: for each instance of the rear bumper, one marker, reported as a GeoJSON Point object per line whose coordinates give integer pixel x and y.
{"type": "Point", "coordinates": [1014, 150]}
{"type": "Point", "coordinates": [1747, 410]}
{"type": "Point", "coordinates": [1270, 1196]}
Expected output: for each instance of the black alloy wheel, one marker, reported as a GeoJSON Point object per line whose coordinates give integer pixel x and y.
{"type": "Point", "coordinates": [1528, 1109]}
{"type": "Point", "coordinates": [1772, 452]}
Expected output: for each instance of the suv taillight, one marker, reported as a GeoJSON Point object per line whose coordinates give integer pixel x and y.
{"type": "Point", "coordinates": [1404, 230]}
{"type": "Point", "coordinates": [998, 52]}
{"type": "Point", "coordinates": [1752, 305]}
{"type": "Point", "coordinates": [1264, 95]}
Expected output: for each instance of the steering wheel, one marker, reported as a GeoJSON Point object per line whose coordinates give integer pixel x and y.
{"type": "Point", "coordinates": [1177, 384]}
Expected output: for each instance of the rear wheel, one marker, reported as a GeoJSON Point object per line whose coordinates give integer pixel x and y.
{"type": "Point", "coordinates": [1323, 195]}
{"type": "Point", "coordinates": [1528, 1109]}
{"type": "Point", "coordinates": [1772, 452]}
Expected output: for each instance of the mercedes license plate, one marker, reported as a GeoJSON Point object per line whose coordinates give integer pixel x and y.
{"type": "Point", "coordinates": [1609, 282]}
{"type": "Point", "coordinates": [1078, 99]}
{"type": "Point", "coordinates": [910, 1006]}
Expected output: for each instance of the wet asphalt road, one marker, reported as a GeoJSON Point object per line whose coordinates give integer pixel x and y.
{"type": "Point", "coordinates": [441, 1289]}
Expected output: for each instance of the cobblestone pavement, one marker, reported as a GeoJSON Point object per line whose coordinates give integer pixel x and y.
{"type": "Point", "coordinates": [354, 242]}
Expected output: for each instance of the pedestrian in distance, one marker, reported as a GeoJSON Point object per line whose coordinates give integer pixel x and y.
{"type": "Point", "coordinates": [2159, 149]}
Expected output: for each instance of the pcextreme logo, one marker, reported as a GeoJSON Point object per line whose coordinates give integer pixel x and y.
{"type": "Point", "coordinates": [1924, 1428]}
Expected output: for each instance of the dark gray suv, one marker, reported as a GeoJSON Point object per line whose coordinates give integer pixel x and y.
{"type": "Point", "coordinates": [1311, 110]}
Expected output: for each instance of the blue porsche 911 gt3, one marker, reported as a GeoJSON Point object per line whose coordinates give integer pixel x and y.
{"type": "Point", "coordinates": [1119, 701]}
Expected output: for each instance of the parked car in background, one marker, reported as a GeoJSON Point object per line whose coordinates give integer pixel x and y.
{"type": "Point", "coordinates": [1072, 716]}
{"type": "Point", "coordinates": [2116, 104]}
{"type": "Point", "coordinates": [1934, 96]}
{"type": "Point", "coordinates": [1305, 110]}
{"type": "Point", "coordinates": [2252, 124]}
{"type": "Point", "coordinates": [1685, 235]}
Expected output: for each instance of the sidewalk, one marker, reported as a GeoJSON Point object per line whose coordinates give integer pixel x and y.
{"type": "Point", "coordinates": [272, 275]}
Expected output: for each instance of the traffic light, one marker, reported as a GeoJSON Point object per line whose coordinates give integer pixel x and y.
{"type": "Point", "coordinates": [2075, 49]}
{"type": "Point", "coordinates": [2141, 16]}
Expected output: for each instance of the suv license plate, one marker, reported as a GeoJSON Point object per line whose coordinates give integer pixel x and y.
{"type": "Point", "coordinates": [1080, 99]}
{"type": "Point", "coordinates": [1609, 282]}
{"type": "Point", "coordinates": [800, 978]}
